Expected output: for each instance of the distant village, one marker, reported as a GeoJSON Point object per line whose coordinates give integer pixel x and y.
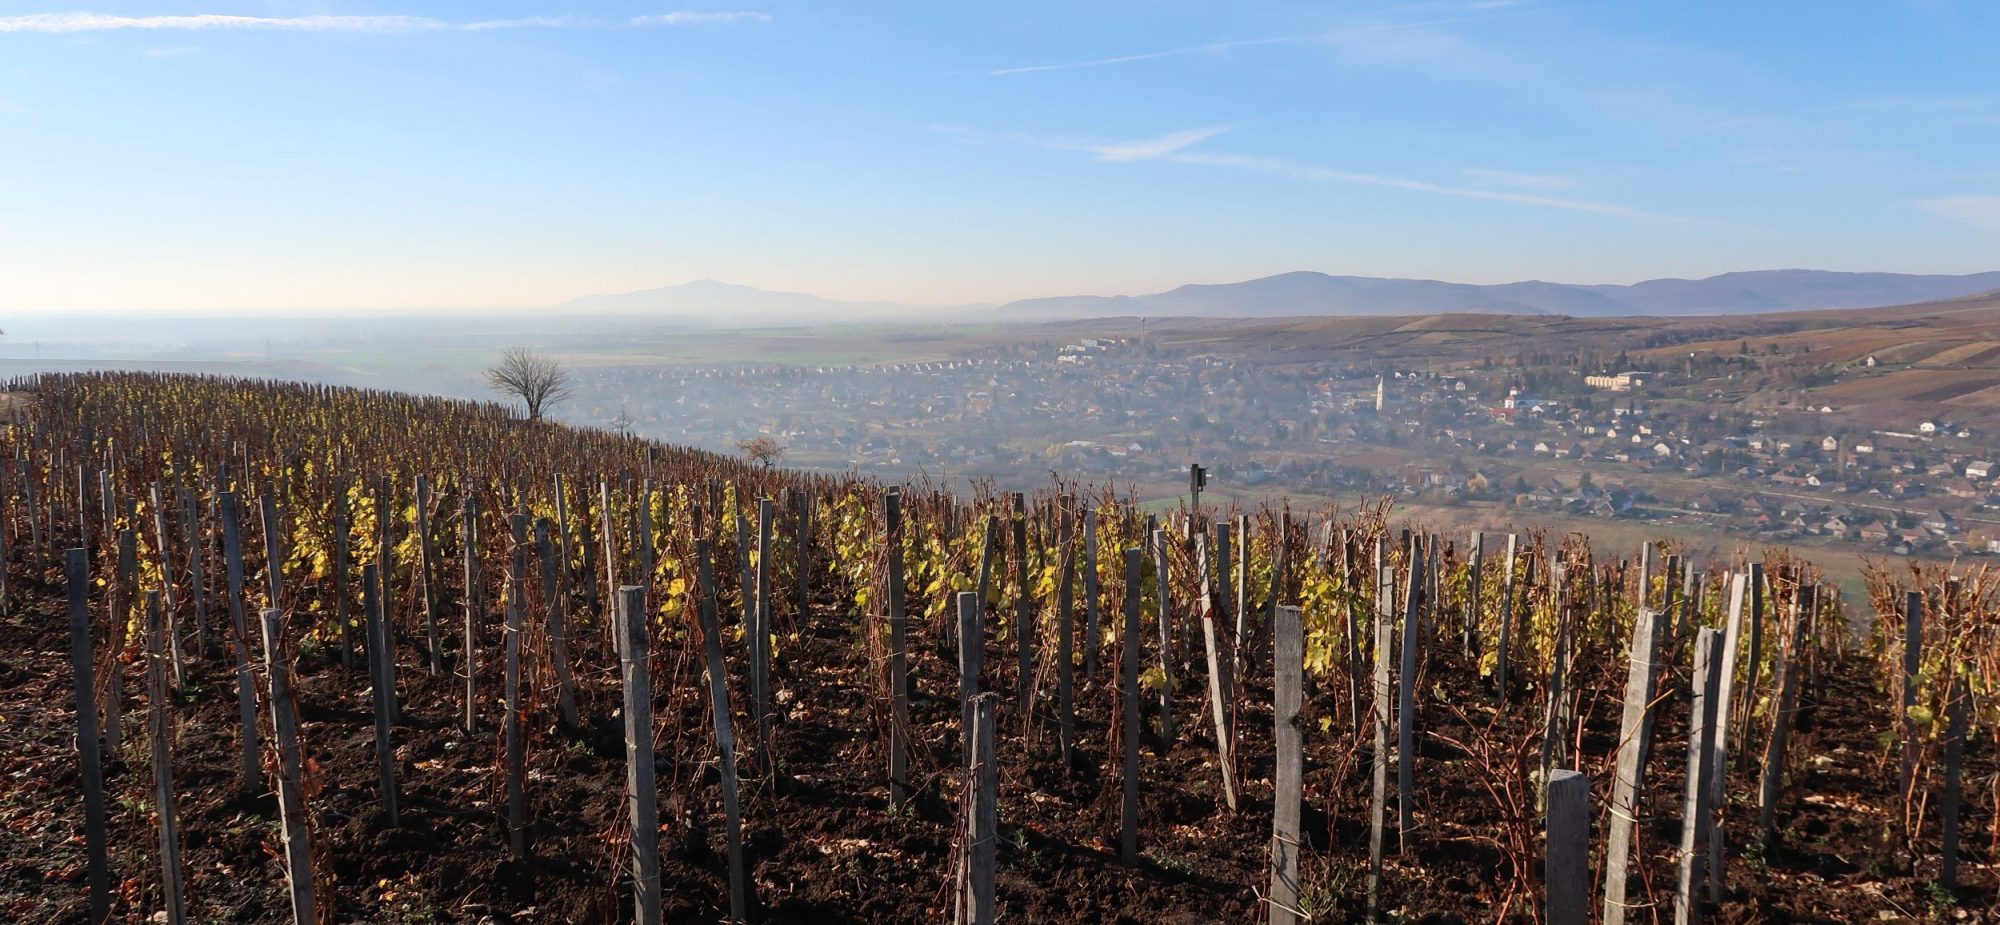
{"type": "Point", "coordinates": [1541, 436]}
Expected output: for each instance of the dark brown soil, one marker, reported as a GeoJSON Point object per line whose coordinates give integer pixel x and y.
{"type": "Point", "coordinates": [822, 845]}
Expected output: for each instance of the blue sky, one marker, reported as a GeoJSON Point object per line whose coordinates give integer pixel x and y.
{"type": "Point", "coordinates": [244, 156]}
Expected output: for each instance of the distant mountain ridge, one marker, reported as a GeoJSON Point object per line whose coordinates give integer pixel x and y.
{"type": "Point", "coordinates": [1308, 293]}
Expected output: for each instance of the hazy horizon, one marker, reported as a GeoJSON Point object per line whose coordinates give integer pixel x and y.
{"type": "Point", "coordinates": [266, 156]}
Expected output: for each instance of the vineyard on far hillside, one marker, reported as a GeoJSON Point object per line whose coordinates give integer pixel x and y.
{"type": "Point", "coordinates": [284, 653]}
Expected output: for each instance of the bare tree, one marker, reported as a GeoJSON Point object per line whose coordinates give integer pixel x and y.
{"type": "Point", "coordinates": [537, 380]}
{"type": "Point", "coordinates": [765, 450]}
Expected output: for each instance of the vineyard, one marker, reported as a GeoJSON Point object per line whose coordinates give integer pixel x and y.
{"type": "Point", "coordinates": [284, 653]}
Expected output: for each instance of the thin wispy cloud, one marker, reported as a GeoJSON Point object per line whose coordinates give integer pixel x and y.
{"type": "Point", "coordinates": [1486, 176]}
{"type": "Point", "coordinates": [1150, 148]}
{"type": "Point", "coordinates": [1335, 35]}
{"type": "Point", "coordinates": [1982, 212]}
{"type": "Point", "coordinates": [70, 23]}
{"type": "Point", "coordinates": [1174, 148]}
{"type": "Point", "coordinates": [691, 18]}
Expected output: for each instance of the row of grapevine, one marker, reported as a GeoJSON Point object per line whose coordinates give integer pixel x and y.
{"type": "Point", "coordinates": [543, 579]}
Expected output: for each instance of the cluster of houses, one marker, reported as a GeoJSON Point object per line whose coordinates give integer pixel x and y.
{"type": "Point", "coordinates": [1134, 410]}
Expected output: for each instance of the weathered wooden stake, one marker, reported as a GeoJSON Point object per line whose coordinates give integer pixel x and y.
{"type": "Point", "coordinates": [1024, 612]}
{"type": "Point", "coordinates": [1700, 772]}
{"type": "Point", "coordinates": [971, 660]}
{"type": "Point", "coordinates": [634, 656]}
{"type": "Point", "coordinates": [1913, 657]}
{"type": "Point", "coordinates": [1718, 797]}
{"type": "Point", "coordinates": [1406, 704]}
{"type": "Point", "coordinates": [291, 786]}
{"type": "Point", "coordinates": [76, 584]}
{"type": "Point", "coordinates": [1163, 589]}
{"type": "Point", "coordinates": [1568, 872]}
{"type": "Point", "coordinates": [555, 607]}
{"type": "Point", "coordinates": [1786, 677]}
{"type": "Point", "coordinates": [982, 834]}
{"type": "Point", "coordinates": [427, 576]}
{"type": "Point", "coordinates": [381, 678]}
{"type": "Point", "coordinates": [252, 778]}
{"type": "Point", "coordinates": [1221, 689]}
{"type": "Point", "coordinates": [1288, 736]}
{"type": "Point", "coordinates": [1128, 840]}
{"type": "Point", "coordinates": [1065, 636]}
{"type": "Point", "coordinates": [468, 656]}
{"type": "Point", "coordinates": [899, 653]}
{"type": "Point", "coordinates": [1634, 729]}
{"type": "Point", "coordinates": [725, 730]}
{"type": "Point", "coordinates": [760, 638]}
{"type": "Point", "coordinates": [1385, 583]}
{"type": "Point", "coordinates": [517, 605]}
{"type": "Point", "coordinates": [172, 878]}
{"type": "Point", "coordinates": [1955, 710]}
{"type": "Point", "coordinates": [1755, 592]}
{"type": "Point", "coordinates": [1091, 594]}
{"type": "Point", "coordinates": [1502, 669]}
{"type": "Point", "coordinates": [1477, 551]}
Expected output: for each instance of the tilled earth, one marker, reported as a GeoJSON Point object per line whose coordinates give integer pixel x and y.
{"type": "Point", "coordinates": [822, 844]}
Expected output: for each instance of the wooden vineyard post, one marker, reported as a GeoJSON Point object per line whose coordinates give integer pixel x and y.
{"type": "Point", "coordinates": [1242, 611]}
{"type": "Point", "coordinates": [1477, 550]}
{"type": "Point", "coordinates": [1344, 552]}
{"type": "Point", "coordinates": [760, 637]}
{"type": "Point", "coordinates": [1065, 635]}
{"type": "Point", "coordinates": [555, 606]}
{"type": "Point", "coordinates": [725, 729]}
{"type": "Point", "coordinates": [640, 788]}
{"type": "Point", "coordinates": [899, 653]}
{"type": "Point", "coordinates": [119, 604]}
{"type": "Point", "coordinates": [804, 540]}
{"type": "Point", "coordinates": [427, 576]}
{"type": "Point", "coordinates": [1786, 676]}
{"type": "Point", "coordinates": [643, 541]}
{"type": "Point", "coordinates": [1718, 797]}
{"type": "Point", "coordinates": [246, 689]}
{"type": "Point", "coordinates": [165, 551]}
{"type": "Point", "coordinates": [1288, 736]}
{"type": "Point", "coordinates": [982, 832]}
{"type": "Point", "coordinates": [1568, 872]}
{"type": "Point", "coordinates": [291, 786]}
{"type": "Point", "coordinates": [1955, 709]}
{"type": "Point", "coordinates": [1502, 668]}
{"type": "Point", "coordinates": [1163, 589]}
{"type": "Point", "coordinates": [1700, 769]}
{"type": "Point", "coordinates": [517, 797]}
{"type": "Point", "coordinates": [1024, 612]}
{"type": "Point", "coordinates": [1555, 717]}
{"type": "Point", "coordinates": [971, 636]}
{"type": "Point", "coordinates": [274, 553]}
{"type": "Point", "coordinates": [468, 656]}
{"type": "Point", "coordinates": [380, 678]}
{"type": "Point", "coordinates": [1091, 594]}
{"type": "Point", "coordinates": [971, 660]}
{"type": "Point", "coordinates": [1755, 592]}
{"type": "Point", "coordinates": [162, 732]}
{"type": "Point", "coordinates": [1406, 704]}
{"type": "Point", "coordinates": [1128, 644]}
{"type": "Point", "coordinates": [76, 584]}
{"type": "Point", "coordinates": [1913, 657]}
{"type": "Point", "coordinates": [1634, 728]}
{"type": "Point", "coordinates": [197, 542]}
{"type": "Point", "coordinates": [1221, 691]}
{"type": "Point", "coordinates": [1385, 583]}
{"type": "Point", "coordinates": [989, 546]}
{"type": "Point", "coordinates": [341, 538]}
